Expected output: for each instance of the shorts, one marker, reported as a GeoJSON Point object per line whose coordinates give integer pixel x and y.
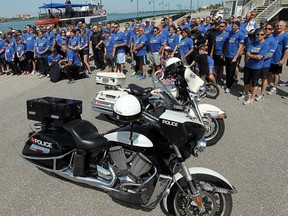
{"type": "Point", "coordinates": [155, 58]}
{"type": "Point", "coordinates": [30, 55]}
{"type": "Point", "coordinates": [218, 61]}
{"type": "Point", "coordinates": [275, 69]}
{"type": "Point", "coordinates": [264, 73]}
{"type": "Point", "coordinates": [141, 60]}
{"type": "Point", "coordinates": [252, 75]}
{"type": "Point", "coordinates": [85, 52]}
{"type": "Point", "coordinates": [120, 58]}
{"type": "Point", "coordinates": [110, 61]}
{"type": "Point", "coordinates": [2, 61]}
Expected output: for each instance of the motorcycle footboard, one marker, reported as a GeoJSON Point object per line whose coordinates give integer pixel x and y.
{"type": "Point", "coordinates": [57, 163]}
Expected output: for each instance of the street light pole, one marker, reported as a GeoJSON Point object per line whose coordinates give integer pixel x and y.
{"type": "Point", "coordinates": [191, 5]}
{"type": "Point", "coordinates": [162, 3]}
{"type": "Point", "coordinates": [153, 7]}
{"type": "Point", "coordinates": [168, 6]}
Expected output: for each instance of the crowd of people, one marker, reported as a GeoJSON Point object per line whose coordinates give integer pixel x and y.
{"type": "Point", "coordinates": [209, 44]}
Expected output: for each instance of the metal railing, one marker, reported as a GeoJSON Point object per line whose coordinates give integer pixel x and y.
{"type": "Point", "coordinates": [251, 5]}
{"type": "Point", "coordinates": [271, 10]}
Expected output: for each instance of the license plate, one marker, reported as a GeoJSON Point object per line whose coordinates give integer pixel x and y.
{"type": "Point", "coordinates": [105, 80]}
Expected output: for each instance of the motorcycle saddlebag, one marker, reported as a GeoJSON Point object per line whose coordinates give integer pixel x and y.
{"type": "Point", "coordinates": [114, 79]}
{"type": "Point", "coordinates": [49, 149]}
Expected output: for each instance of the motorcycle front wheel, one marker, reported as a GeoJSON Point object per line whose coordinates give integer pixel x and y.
{"type": "Point", "coordinates": [217, 204]}
{"type": "Point", "coordinates": [214, 130]}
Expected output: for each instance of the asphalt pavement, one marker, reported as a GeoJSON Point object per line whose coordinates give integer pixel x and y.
{"type": "Point", "coordinates": [252, 154]}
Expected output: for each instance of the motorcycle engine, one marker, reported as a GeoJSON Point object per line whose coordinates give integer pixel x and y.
{"type": "Point", "coordinates": [129, 166]}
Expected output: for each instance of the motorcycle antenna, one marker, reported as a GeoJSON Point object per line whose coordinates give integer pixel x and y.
{"type": "Point", "coordinates": [131, 135]}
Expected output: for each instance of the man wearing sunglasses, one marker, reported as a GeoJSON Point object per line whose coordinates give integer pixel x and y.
{"type": "Point", "coordinates": [217, 51]}
{"type": "Point", "coordinates": [120, 44]}
{"type": "Point", "coordinates": [280, 55]}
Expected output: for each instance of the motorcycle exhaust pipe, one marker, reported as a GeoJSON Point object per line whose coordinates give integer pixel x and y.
{"type": "Point", "coordinates": [79, 163]}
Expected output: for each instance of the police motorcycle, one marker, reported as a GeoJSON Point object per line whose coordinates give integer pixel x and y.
{"type": "Point", "coordinates": [140, 164]}
{"type": "Point", "coordinates": [186, 90]}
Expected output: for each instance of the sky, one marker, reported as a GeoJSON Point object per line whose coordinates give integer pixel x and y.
{"type": "Point", "coordinates": [10, 8]}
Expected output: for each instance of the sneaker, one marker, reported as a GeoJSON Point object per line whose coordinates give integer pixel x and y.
{"type": "Point", "coordinates": [227, 90]}
{"type": "Point", "coordinates": [142, 77]}
{"type": "Point", "coordinates": [244, 97]}
{"type": "Point", "coordinates": [285, 97]}
{"type": "Point", "coordinates": [284, 84]}
{"type": "Point", "coordinates": [48, 75]}
{"type": "Point", "coordinates": [1, 73]}
{"type": "Point", "coordinates": [71, 81]}
{"type": "Point", "coordinates": [248, 102]}
{"type": "Point", "coordinates": [260, 97]}
{"type": "Point", "coordinates": [38, 73]}
{"type": "Point", "coordinates": [272, 91]}
{"type": "Point", "coordinates": [133, 74]}
{"type": "Point", "coordinates": [33, 72]}
{"type": "Point", "coordinates": [41, 76]}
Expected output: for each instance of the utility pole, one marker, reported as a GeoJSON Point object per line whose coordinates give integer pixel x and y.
{"type": "Point", "coordinates": [190, 5]}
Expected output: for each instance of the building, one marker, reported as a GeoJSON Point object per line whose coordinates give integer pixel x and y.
{"type": "Point", "coordinates": [268, 9]}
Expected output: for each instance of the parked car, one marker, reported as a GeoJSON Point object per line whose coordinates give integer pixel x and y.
{"type": "Point", "coordinates": [217, 13]}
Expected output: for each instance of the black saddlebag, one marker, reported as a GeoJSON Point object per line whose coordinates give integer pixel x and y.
{"type": "Point", "coordinates": [49, 149]}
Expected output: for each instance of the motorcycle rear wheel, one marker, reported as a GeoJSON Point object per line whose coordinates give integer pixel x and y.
{"type": "Point", "coordinates": [215, 129]}
{"type": "Point", "coordinates": [212, 91]}
{"type": "Point", "coordinates": [215, 203]}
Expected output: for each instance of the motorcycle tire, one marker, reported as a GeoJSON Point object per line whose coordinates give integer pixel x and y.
{"type": "Point", "coordinates": [213, 132]}
{"type": "Point", "coordinates": [212, 91]}
{"type": "Point", "coordinates": [215, 203]}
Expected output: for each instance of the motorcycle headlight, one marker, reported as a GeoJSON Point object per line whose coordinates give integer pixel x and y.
{"type": "Point", "coordinates": [201, 145]}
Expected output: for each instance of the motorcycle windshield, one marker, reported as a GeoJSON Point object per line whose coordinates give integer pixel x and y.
{"type": "Point", "coordinates": [183, 58]}
{"type": "Point", "coordinates": [164, 92]}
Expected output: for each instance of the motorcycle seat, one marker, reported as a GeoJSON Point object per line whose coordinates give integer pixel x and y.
{"type": "Point", "coordinates": [85, 135]}
{"type": "Point", "coordinates": [138, 90]}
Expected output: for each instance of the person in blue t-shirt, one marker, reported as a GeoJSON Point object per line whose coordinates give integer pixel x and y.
{"type": "Point", "coordinates": [20, 52]}
{"type": "Point", "coordinates": [120, 44]}
{"type": "Point", "coordinates": [186, 45]}
{"type": "Point", "coordinates": [156, 45]}
{"type": "Point", "coordinates": [84, 49]}
{"type": "Point", "coordinates": [173, 41]}
{"type": "Point", "coordinates": [280, 55]}
{"type": "Point", "coordinates": [54, 57]}
{"type": "Point", "coordinates": [140, 52]}
{"type": "Point", "coordinates": [51, 37]}
{"type": "Point", "coordinates": [270, 40]}
{"type": "Point", "coordinates": [233, 50]}
{"type": "Point", "coordinates": [217, 50]}
{"type": "Point", "coordinates": [73, 41]}
{"type": "Point", "coordinates": [109, 51]}
{"type": "Point", "coordinates": [2, 57]}
{"type": "Point", "coordinates": [9, 55]}
{"type": "Point", "coordinates": [71, 64]}
{"type": "Point", "coordinates": [253, 67]}
{"type": "Point", "coordinates": [205, 65]}
{"type": "Point", "coordinates": [43, 49]}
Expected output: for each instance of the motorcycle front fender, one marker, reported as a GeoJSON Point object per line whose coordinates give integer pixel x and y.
{"type": "Point", "coordinates": [200, 173]}
{"type": "Point", "coordinates": [211, 111]}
